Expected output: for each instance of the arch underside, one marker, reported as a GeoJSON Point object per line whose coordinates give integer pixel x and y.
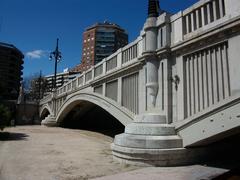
{"type": "Point", "coordinates": [83, 102]}
{"type": "Point", "coordinates": [44, 112]}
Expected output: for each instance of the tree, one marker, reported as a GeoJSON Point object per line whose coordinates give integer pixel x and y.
{"type": "Point", "coordinates": [35, 87]}
{"type": "Point", "coordinates": [38, 88]}
{"type": "Point", "coordinates": [5, 116]}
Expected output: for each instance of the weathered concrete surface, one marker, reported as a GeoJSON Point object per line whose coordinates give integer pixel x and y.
{"type": "Point", "coordinates": [196, 172]}
{"type": "Point", "coordinates": [38, 153]}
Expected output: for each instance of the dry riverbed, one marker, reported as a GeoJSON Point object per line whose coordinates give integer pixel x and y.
{"type": "Point", "coordinates": [39, 153]}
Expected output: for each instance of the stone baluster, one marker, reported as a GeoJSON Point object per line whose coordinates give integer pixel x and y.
{"type": "Point", "coordinates": [215, 17]}
{"type": "Point", "coordinates": [208, 13]}
{"type": "Point", "coordinates": [192, 21]}
{"type": "Point", "coordinates": [187, 24]}
{"type": "Point", "coordinates": [197, 19]}
{"type": "Point", "coordinates": [221, 10]}
{"type": "Point", "coordinates": [203, 16]}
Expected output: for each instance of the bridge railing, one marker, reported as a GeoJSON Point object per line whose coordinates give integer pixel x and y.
{"type": "Point", "coordinates": [123, 57]}
{"type": "Point", "coordinates": [202, 14]}
{"type": "Point", "coordinates": [201, 17]}
{"type": "Point", "coordinates": [46, 99]}
{"type": "Point", "coordinates": [208, 73]}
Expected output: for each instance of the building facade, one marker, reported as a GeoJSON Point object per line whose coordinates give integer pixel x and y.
{"type": "Point", "coordinates": [61, 79]}
{"type": "Point", "coordinates": [11, 66]}
{"type": "Point", "coordinates": [100, 41]}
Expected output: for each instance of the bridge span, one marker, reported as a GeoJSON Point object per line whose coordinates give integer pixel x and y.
{"type": "Point", "coordinates": [177, 86]}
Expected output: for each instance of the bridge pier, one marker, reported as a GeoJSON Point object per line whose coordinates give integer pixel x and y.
{"type": "Point", "coordinates": [150, 140]}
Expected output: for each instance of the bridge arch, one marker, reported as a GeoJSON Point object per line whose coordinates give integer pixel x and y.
{"type": "Point", "coordinates": [45, 110]}
{"type": "Point", "coordinates": [123, 115]}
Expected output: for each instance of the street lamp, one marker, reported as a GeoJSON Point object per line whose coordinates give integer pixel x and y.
{"type": "Point", "coordinates": [56, 55]}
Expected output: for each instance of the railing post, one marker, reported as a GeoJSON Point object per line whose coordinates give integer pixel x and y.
{"type": "Point", "coordinates": [104, 67]}
{"type": "Point", "coordinates": [203, 16]}
{"type": "Point", "coordinates": [119, 58]}
{"type": "Point", "coordinates": [84, 78]}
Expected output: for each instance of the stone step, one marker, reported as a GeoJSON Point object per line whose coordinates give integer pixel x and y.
{"type": "Point", "coordinates": [150, 129]}
{"type": "Point", "coordinates": [148, 142]}
{"type": "Point", "coordinates": [156, 157]}
{"type": "Point", "coordinates": [49, 121]}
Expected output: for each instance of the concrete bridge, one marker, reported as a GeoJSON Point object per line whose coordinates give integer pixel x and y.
{"type": "Point", "coordinates": [177, 86]}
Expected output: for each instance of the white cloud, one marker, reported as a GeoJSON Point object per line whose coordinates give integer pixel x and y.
{"type": "Point", "coordinates": [36, 54]}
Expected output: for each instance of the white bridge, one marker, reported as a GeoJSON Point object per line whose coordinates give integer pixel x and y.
{"type": "Point", "coordinates": [175, 87]}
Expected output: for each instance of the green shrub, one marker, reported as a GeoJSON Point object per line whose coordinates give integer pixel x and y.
{"type": "Point", "coordinates": [5, 116]}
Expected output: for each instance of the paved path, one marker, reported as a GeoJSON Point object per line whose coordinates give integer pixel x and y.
{"type": "Point", "coordinates": [195, 172]}
{"type": "Point", "coordinates": [38, 153]}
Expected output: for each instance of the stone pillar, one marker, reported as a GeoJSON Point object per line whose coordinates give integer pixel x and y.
{"type": "Point", "coordinates": [150, 140]}
{"type": "Point", "coordinates": [151, 61]}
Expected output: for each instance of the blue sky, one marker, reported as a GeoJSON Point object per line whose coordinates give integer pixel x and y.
{"type": "Point", "coordinates": [34, 25]}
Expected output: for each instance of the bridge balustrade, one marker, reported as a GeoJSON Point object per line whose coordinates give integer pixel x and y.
{"type": "Point", "coordinates": [69, 86]}
{"type": "Point", "coordinates": [88, 76]}
{"type": "Point", "coordinates": [202, 14]}
{"type": "Point", "coordinates": [74, 84]}
{"type": "Point", "coordinates": [108, 65]}
{"type": "Point", "coordinates": [80, 80]}
{"type": "Point", "coordinates": [111, 63]}
{"type": "Point", "coordinates": [129, 54]}
{"type": "Point", "coordinates": [98, 70]}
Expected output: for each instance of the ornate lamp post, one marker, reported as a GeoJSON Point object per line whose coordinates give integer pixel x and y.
{"type": "Point", "coordinates": [57, 56]}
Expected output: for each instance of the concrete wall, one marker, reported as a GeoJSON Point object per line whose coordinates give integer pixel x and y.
{"type": "Point", "coordinates": [27, 114]}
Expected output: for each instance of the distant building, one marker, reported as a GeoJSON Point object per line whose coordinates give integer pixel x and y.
{"type": "Point", "coordinates": [11, 66]}
{"type": "Point", "coordinates": [61, 78]}
{"type": "Point", "coordinates": [100, 41]}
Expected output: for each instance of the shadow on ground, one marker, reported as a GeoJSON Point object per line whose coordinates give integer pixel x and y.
{"type": "Point", "coordinates": [10, 136]}
{"type": "Point", "coordinates": [233, 174]}
{"type": "Point", "coordinates": [225, 154]}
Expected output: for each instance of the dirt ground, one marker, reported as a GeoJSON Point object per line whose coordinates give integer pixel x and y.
{"type": "Point", "coordinates": [39, 153]}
